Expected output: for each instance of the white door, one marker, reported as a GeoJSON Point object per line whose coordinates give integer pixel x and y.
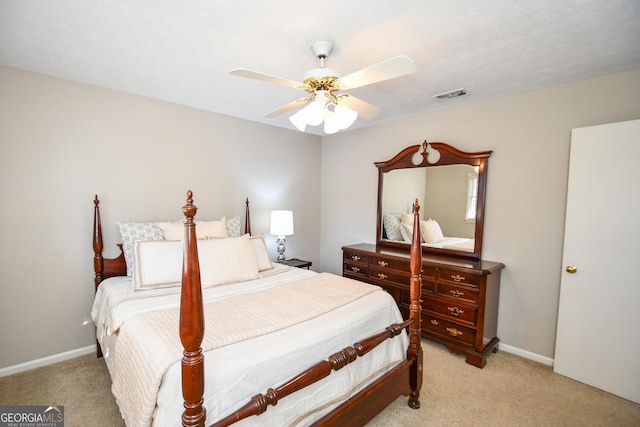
{"type": "Point", "coordinates": [598, 336]}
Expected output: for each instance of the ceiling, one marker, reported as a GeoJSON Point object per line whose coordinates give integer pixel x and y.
{"type": "Point", "coordinates": [182, 52]}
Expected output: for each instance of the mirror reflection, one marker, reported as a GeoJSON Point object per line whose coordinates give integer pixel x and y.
{"type": "Point", "coordinates": [450, 186]}
{"type": "Point", "coordinates": [448, 196]}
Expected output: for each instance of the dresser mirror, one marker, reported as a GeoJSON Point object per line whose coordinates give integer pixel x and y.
{"type": "Point", "coordinates": [450, 186]}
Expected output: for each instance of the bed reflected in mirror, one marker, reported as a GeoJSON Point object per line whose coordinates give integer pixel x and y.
{"type": "Point", "coordinates": [450, 185]}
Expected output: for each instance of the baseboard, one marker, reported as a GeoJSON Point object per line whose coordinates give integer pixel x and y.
{"type": "Point", "coordinates": [526, 354]}
{"type": "Point", "coordinates": [60, 357]}
{"type": "Point", "coordinates": [54, 358]}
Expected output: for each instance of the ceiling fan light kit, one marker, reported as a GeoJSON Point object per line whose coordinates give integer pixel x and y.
{"type": "Point", "coordinates": [338, 111]}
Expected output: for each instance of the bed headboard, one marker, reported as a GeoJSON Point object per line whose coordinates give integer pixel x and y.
{"type": "Point", "coordinates": [111, 267]}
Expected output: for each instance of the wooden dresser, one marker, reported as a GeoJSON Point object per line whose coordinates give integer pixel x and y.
{"type": "Point", "coordinates": [460, 296]}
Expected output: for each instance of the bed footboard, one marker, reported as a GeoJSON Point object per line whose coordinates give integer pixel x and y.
{"type": "Point", "coordinates": [260, 402]}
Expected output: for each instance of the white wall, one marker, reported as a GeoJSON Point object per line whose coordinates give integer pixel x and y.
{"type": "Point", "coordinates": [63, 142]}
{"type": "Point", "coordinates": [529, 134]}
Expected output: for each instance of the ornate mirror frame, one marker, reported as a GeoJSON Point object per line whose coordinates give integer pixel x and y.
{"type": "Point", "coordinates": [434, 154]}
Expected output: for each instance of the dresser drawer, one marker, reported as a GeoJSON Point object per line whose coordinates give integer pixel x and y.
{"type": "Point", "coordinates": [452, 309]}
{"type": "Point", "coordinates": [355, 258]}
{"type": "Point", "coordinates": [449, 330]}
{"type": "Point", "coordinates": [391, 276]}
{"type": "Point", "coordinates": [467, 294]}
{"type": "Point", "coordinates": [458, 277]}
{"type": "Point", "coordinates": [428, 273]}
{"type": "Point", "coordinates": [428, 287]}
{"type": "Point", "coordinates": [388, 264]}
{"type": "Point", "coordinates": [354, 269]}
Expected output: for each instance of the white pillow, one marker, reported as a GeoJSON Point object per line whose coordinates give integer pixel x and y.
{"type": "Point", "coordinates": [158, 263]}
{"type": "Point", "coordinates": [207, 229]}
{"type": "Point", "coordinates": [227, 260]}
{"type": "Point", "coordinates": [406, 218]}
{"type": "Point", "coordinates": [222, 261]}
{"type": "Point", "coordinates": [407, 232]}
{"type": "Point", "coordinates": [204, 229]}
{"type": "Point", "coordinates": [130, 232]}
{"type": "Point", "coordinates": [262, 255]}
{"type": "Point", "coordinates": [431, 231]}
{"type": "Point", "coordinates": [172, 230]}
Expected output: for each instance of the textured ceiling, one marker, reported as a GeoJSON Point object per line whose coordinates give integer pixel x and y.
{"type": "Point", "coordinates": [182, 52]}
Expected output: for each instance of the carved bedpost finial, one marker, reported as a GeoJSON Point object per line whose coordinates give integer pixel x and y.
{"type": "Point", "coordinates": [189, 209]}
{"type": "Point", "coordinates": [416, 206]}
{"type": "Point", "coordinates": [247, 220]}
{"type": "Point", "coordinates": [96, 202]}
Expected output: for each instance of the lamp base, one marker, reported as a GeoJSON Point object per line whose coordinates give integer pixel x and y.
{"type": "Point", "coordinates": [281, 248]}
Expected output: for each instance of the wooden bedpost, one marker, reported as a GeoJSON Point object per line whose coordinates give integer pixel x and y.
{"type": "Point", "coordinates": [415, 312]}
{"type": "Point", "coordinates": [247, 221]}
{"type": "Point", "coordinates": [98, 262]}
{"type": "Point", "coordinates": [191, 324]}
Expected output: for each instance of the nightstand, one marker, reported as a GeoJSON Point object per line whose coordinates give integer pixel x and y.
{"type": "Point", "coordinates": [295, 262]}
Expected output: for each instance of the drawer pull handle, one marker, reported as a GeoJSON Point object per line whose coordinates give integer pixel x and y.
{"type": "Point", "coordinates": [457, 277]}
{"type": "Point", "coordinates": [455, 311]}
{"type": "Point", "coordinates": [355, 269]}
{"type": "Point", "coordinates": [382, 276]}
{"type": "Point", "coordinates": [454, 332]}
{"type": "Point", "coordinates": [382, 263]}
{"type": "Point", "coordinates": [434, 322]}
{"type": "Point", "coordinates": [355, 257]}
{"type": "Point", "coordinates": [456, 293]}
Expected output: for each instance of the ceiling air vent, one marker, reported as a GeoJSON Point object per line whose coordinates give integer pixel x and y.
{"type": "Point", "coordinates": [451, 94]}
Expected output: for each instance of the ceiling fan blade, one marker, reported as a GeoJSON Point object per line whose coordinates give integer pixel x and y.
{"type": "Point", "coordinates": [256, 75]}
{"type": "Point", "coordinates": [286, 107]}
{"type": "Point", "coordinates": [385, 70]}
{"type": "Point", "coordinates": [364, 109]}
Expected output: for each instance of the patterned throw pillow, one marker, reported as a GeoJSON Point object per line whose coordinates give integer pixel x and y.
{"type": "Point", "coordinates": [391, 223]}
{"type": "Point", "coordinates": [233, 227]}
{"type": "Point", "coordinates": [130, 232]}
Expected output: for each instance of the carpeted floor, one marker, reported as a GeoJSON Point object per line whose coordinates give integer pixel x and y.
{"type": "Point", "coordinates": [509, 391]}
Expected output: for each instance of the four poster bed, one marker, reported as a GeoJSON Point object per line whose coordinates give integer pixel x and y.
{"type": "Point", "coordinates": [271, 331]}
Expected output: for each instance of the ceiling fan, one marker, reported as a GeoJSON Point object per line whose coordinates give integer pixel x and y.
{"type": "Point", "coordinates": [326, 100]}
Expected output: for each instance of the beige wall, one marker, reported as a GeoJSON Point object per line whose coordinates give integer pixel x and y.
{"type": "Point", "coordinates": [63, 142]}
{"type": "Point", "coordinates": [527, 181]}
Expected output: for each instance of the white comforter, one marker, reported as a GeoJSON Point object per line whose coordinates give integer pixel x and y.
{"type": "Point", "coordinates": [236, 372]}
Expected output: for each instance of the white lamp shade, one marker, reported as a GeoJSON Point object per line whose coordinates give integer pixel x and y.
{"type": "Point", "coordinates": [281, 223]}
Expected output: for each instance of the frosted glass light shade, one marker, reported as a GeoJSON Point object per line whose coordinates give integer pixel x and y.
{"type": "Point", "coordinates": [299, 120]}
{"type": "Point", "coordinates": [335, 117]}
{"type": "Point", "coordinates": [346, 116]}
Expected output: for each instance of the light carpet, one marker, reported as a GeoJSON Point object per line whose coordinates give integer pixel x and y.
{"type": "Point", "coordinates": [509, 391]}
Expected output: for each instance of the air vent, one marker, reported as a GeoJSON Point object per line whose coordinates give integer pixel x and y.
{"type": "Point", "coordinates": [451, 94]}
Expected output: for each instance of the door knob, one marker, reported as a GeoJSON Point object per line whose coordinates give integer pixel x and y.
{"type": "Point", "coordinates": [571, 269]}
